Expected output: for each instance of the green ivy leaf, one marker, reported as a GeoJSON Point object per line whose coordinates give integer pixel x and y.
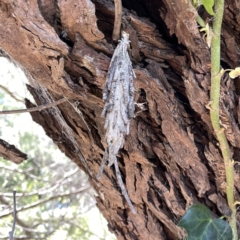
{"type": "Point", "coordinates": [199, 225]}
{"type": "Point", "coordinates": [234, 73]}
{"type": "Point", "coordinates": [208, 5]}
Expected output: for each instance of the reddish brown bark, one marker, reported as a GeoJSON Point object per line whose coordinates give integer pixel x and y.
{"type": "Point", "coordinates": [10, 152]}
{"type": "Point", "coordinates": [171, 158]}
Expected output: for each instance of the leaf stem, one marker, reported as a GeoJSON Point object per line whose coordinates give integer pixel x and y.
{"type": "Point", "coordinates": [214, 112]}
{"type": "Point", "coordinates": [200, 21]}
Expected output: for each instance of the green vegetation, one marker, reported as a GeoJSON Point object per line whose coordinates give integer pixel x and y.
{"type": "Point", "coordinates": [205, 225]}
{"type": "Point", "coordinates": [201, 226]}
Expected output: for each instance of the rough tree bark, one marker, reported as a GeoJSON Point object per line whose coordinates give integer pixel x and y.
{"type": "Point", "coordinates": [170, 158]}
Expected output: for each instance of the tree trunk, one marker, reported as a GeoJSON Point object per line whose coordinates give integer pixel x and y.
{"type": "Point", "coordinates": [171, 158]}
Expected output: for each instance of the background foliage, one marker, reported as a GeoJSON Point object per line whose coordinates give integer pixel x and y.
{"type": "Point", "coordinates": [54, 198]}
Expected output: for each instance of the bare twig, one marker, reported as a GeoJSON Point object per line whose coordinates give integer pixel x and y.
{"type": "Point", "coordinates": [25, 172]}
{"type": "Point", "coordinates": [117, 20]}
{"type": "Point", "coordinates": [10, 93]}
{"type": "Point", "coordinates": [14, 216]}
{"type": "Point", "coordinates": [37, 203]}
{"type": "Point", "coordinates": [23, 238]}
{"type": "Point", "coordinates": [34, 109]}
{"type": "Point", "coordinates": [44, 190]}
{"type": "Point", "coordinates": [89, 232]}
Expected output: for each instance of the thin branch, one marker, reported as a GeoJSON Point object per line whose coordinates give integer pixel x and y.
{"type": "Point", "coordinates": [30, 233]}
{"type": "Point", "coordinates": [11, 94]}
{"type": "Point", "coordinates": [18, 220]}
{"type": "Point", "coordinates": [34, 109]}
{"type": "Point", "coordinates": [88, 209]}
{"type": "Point", "coordinates": [23, 225]}
{"type": "Point", "coordinates": [33, 205]}
{"type": "Point", "coordinates": [11, 234]}
{"type": "Point", "coordinates": [23, 238]}
{"type": "Point", "coordinates": [117, 20]}
{"type": "Point", "coordinates": [47, 189]}
{"type": "Point", "coordinates": [70, 222]}
{"type": "Point", "coordinates": [25, 173]}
